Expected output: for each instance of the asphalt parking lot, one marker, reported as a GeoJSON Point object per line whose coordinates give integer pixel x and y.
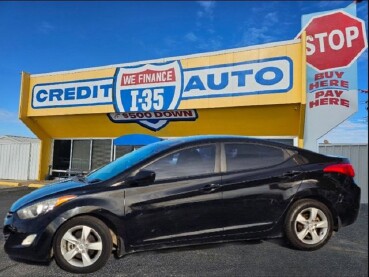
{"type": "Point", "coordinates": [345, 255]}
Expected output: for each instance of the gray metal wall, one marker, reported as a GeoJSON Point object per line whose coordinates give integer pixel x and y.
{"type": "Point", "coordinates": [358, 155]}
{"type": "Point", "coordinates": [19, 161]}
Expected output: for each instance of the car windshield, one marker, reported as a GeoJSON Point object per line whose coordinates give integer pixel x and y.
{"type": "Point", "coordinates": [127, 161]}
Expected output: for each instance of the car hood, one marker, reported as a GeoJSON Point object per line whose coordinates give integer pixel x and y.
{"type": "Point", "coordinates": [48, 190]}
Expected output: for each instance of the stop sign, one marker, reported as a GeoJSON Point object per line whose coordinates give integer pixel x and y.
{"type": "Point", "coordinates": [334, 40]}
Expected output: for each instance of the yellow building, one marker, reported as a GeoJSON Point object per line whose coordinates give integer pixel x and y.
{"type": "Point", "coordinates": [255, 91]}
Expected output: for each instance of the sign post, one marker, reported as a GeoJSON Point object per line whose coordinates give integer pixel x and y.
{"type": "Point", "coordinates": [334, 41]}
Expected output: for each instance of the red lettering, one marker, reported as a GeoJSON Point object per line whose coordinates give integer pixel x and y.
{"type": "Point", "coordinates": [319, 93]}
{"type": "Point", "coordinates": [328, 83]}
{"type": "Point", "coordinates": [345, 103]}
{"type": "Point", "coordinates": [333, 101]}
{"type": "Point", "coordinates": [313, 85]}
{"type": "Point", "coordinates": [334, 83]}
{"type": "Point", "coordinates": [188, 113]}
{"type": "Point", "coordinates": [329, 93]}
{"type": "Point", "coordinates": [314, 103]}
{"type": "Point", "coordinates": [339, 74]}
{"type": "Point", "coordinates": [319, 76]}
{"type": "Point", "coordinates": [338, 93]}
{"type": "Point", "coordinates": [177, 113]}
{"type": "Point", "coordinates": [344, 84]}
{"type": "Point", "coordinates": [324, 101]}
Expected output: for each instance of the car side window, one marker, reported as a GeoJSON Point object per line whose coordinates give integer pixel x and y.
{"type": "Point", "coordinates": [243, 156]}
{"type": "Point", "coordinates": [186, 162]}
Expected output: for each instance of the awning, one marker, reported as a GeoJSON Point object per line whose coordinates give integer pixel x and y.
{"type": "Point", "coordinates": [135, 139]}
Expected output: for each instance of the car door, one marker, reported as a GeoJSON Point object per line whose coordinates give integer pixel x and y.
{"type": "Point", "coordinates": [259, 181]}
{"type": "Point", "coordinates": [183, 202]}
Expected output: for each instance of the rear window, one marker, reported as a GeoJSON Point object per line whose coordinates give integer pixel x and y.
{"type": "Point", "coordinates": [243, 156]}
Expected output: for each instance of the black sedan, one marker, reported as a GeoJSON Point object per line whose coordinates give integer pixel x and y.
{"type": "Point", "coordinates": [181, 192]}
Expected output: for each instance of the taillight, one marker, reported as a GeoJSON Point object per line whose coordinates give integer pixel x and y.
{"type": "Point", "coordinates": [346, 169]}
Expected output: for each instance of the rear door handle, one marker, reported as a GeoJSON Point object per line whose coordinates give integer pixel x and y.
{"type": "Point", "coordinates": [210, 187]}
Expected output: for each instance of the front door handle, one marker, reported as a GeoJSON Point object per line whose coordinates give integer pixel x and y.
{"type": "Point", "coordinates": [290, 174]}
{"type": "Point", "coordinates": [210, 187]}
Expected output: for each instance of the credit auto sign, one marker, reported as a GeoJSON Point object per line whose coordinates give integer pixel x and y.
{"type": "Point", "coordinates": [162, 86]}
{"type": "Point", "coordinates": [150, 89]}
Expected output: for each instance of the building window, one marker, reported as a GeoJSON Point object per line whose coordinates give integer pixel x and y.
{"type": "Point", "coordinates": [122, 150]}
{"type": "Point", "coordinates": [81, 156]}
{"type": "Point", "coordinates": [61, 154]}
{"type": "Point", "coordinates": [101, 153]}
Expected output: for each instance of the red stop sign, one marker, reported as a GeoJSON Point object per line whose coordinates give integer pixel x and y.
{"type": "Point", "coordinates": [334, 40]}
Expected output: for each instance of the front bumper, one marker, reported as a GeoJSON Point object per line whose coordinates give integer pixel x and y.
{"type": "Point", "coordinates": [15, 231]}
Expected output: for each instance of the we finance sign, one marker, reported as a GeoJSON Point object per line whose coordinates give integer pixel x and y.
{"type": "Point", "coordinates": [150, 94]}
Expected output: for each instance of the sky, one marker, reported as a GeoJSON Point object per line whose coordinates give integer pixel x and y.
{"type": "Point", "coordinates": [41, 37]}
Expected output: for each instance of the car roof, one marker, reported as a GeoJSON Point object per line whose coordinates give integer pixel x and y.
{"type": "Point", "coordinates": [215, 138]}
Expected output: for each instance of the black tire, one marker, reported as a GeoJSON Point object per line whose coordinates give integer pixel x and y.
{"type": "Point", "coordinates": [308, 225]}
{"type": "Point", "coordinates": [75, 253]}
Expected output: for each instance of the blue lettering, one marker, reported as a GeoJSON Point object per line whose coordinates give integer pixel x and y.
{"type": "Point", "coordinates": [55, 93]}
{"type": "Point", "coordinates": [194, 83]}
{"type": "Point", "coordinates": [69, 94]}
{"type": "Point", "coordinates": [241, 75]}
{"type": "Point", "coordinates": [106, 89]}
{"type": "Point", "coordinates": [278, 75]}
{"type": "Point", "coordinates": [83, 92]}
{"type": "Point", "coordinates": [223, 82]}
{"type": "Point", "coordinates": [41, 98]}
{"type": "Point", "coordinates": [94, 91]}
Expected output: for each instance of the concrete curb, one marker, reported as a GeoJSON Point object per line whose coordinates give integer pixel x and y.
{"type": "Point", "coordinates": [11, 184]}
{"type": "Point", "coordinates": [35, 186]}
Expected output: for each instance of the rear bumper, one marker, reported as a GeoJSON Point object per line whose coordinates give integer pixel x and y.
{"type": "Point", "coordinates": [348, 206]}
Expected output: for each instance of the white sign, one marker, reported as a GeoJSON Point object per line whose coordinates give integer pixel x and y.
{"type": "Point", "coordinates": [69, 94]}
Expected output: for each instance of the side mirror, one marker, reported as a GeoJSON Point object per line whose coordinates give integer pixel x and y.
{"type": "Point", "coordinates": [143, 178]}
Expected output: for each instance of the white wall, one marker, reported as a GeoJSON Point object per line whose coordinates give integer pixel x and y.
{"type": "Point", "coordinates": [19, 161]}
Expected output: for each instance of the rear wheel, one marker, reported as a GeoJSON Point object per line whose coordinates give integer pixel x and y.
{"type": "Point", "coordinates": [308, 225]}
{"type": "Point", "coordinates": [82, 245]}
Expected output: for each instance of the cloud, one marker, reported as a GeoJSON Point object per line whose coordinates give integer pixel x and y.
{"type": "Point", "coordinates": [191, 37]}
{"type": "Point", "coordinates": [330, 5]}
{"type": "Point", "coordinates": [204, 36]}
{"type": "Point", "coordinates": [271, 18]}
{"type": "Point", "coordinates": [46, 28]}
{"type": "Point", "coordinates": [348, 132]}
{"type": "Point", "coordinates": [265, 30]}
{"type": "Point", "coordinates": [206, 9]}
{"type": "Point", "coordinates": [11, 125]}
{"type": "Point", "coordinates": [256, 35]}
{"type": "Point", "coordinates": [8, 117]}
{"type": "Point", "coordinates": [213, 43]}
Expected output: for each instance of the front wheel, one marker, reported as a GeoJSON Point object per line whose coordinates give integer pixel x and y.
{"type": "Point", "coordinates": [82, 245]}
{"type": "Point", "coordinates": [308, 225]}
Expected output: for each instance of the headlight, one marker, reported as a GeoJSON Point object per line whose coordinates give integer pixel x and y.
{"type": "Point", "coordinates": [42, 207]}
